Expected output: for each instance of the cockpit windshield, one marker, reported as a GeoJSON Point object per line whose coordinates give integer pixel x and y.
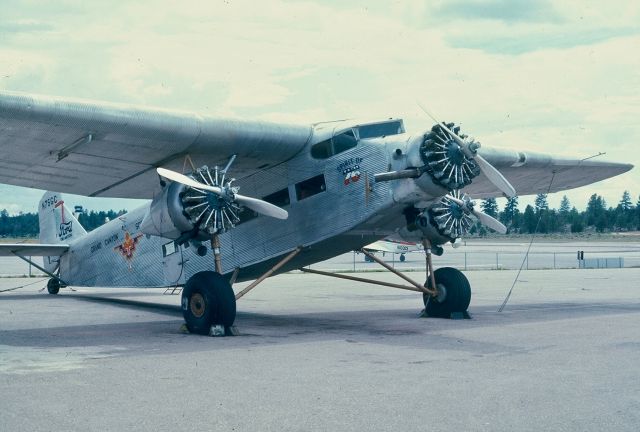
{"type": "Point", "coordinates": [376, 130]}
{"type": "Point", "coordinates": [346, 139]}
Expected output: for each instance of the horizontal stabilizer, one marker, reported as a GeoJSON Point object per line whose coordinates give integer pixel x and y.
{"type": "Point", "coordinates": [32, 249]}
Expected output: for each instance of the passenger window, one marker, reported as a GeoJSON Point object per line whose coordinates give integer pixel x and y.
{"type": "Point", "coordinates": [310, 187]}
{"type": "Point", "coordinates": [279, 198]}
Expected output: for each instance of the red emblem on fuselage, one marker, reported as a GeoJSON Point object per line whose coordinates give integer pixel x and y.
{"type": "Point", "coordinates": [128, 246]}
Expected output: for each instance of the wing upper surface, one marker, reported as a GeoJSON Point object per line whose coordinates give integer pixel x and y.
{"type": "Point", "coordinates": [111, 150]}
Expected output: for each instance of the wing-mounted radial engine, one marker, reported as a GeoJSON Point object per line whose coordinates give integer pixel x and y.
{"type": "Point", "coordinates": [450, 218]}
{"type": "Point", "coordinates": [200, 205]}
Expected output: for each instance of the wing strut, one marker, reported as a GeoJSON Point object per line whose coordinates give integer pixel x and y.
{"type": "Point", "coordinates": [40, 268]}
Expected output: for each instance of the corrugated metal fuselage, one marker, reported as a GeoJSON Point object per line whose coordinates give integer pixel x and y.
{"type": "Point", "coordinates": [345, 216]}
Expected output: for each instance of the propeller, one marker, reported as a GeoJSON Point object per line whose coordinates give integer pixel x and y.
{"type": "Point", "coordinates": [470, 149]}
{"type": "Point", "coordinates": [468, 206]}
{"type": "Point", "coordinates": [227, 193]}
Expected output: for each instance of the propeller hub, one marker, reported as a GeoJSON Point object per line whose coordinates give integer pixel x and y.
{"type": "Point", "coordinates": [454, 153]}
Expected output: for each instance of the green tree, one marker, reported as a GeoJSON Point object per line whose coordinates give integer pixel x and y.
{"type": "Point", "coordinates": [625, 202]}
{"type": "Point", "coordinates": [529, 220]}
{"type": "Point", "coordinates": [596, 208]}
{"type": "Point", "coordinates": [541, 202]}
{"type": "Point", "coordinates": [510, 216]}
{"type": "Point", "coordinates": [563, 213]}
{"type": "Point", "coordinates": [575, 219]}
{"type": "Point", "coordinates": [490, 207]}
{"type": "Point", "coordinates": [565, 206]}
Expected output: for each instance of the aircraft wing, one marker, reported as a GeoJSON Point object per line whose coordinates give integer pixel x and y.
{"type": "Point", "coordinates": [32, 249]}
{"type": "Point", "coordinates": [112, 150]}
{"type": "Point", "coordinates": [532, 173]}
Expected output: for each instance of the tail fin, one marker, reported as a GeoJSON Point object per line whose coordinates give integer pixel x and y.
{"type": "Point", "coordinates": [57, 224]}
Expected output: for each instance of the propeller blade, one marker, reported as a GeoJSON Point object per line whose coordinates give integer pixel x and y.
{"type": "Point", "coordinates": [262, 207]}
{"type": "Point", "coordinates": [254, 204]}
{"type": "Point", "coordinates": [490, 222]}
{"type": "Point", "coordinates": [495, 176]}
{"type": "Point", "coordinates": [444, 126]}
{"type": "Point", "coordinates": [484, 218]}
{"type": "Point", "coordinates": [489, 170]}
{"type": "Point", "coordinates": [188, 181]}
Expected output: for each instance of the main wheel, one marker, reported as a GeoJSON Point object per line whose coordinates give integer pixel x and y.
{"type": "Point", "coordinates": [454, 293]}
{"type": "Point", "coordinates": [208, 299]}
{"type": "Point", "coordinates": [53, 286]}
{"type": "Point", "coordinates": [402, 258]}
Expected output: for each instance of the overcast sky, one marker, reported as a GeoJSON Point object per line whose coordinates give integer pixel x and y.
{"type": "Point", "coordinates": [553, 76]}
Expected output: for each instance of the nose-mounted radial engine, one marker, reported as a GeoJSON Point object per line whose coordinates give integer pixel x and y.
{"type": "Point", "coordinates": [445, 160]}
{"type": "Point", "coordinates": [200, 205]}
{"type": "Point", "coordinates": [211, 212]}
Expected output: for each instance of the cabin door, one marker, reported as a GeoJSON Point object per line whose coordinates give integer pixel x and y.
{"type": "Point", "coordinates": [172, 264]}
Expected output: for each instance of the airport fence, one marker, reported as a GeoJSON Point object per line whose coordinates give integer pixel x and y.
{"type": "Point", "coordinates": [464, 260]}
{"type": "Point", "coordinates": [469, 261]}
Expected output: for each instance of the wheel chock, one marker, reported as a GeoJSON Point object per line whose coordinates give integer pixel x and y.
{"type": "Point", "coordinates": [216, 331]}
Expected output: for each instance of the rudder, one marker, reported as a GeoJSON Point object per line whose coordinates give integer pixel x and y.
{"type": "Point", "coordinates": [57, 223]}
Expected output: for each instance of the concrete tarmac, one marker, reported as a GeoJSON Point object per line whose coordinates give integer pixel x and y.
{"type": "Point", "coordinates": [327, 354]}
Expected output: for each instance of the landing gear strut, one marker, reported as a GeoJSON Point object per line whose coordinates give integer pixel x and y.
{"type": "Point", "coordinates": [446, 293]}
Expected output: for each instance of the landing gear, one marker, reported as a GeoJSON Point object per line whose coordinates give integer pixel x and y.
{"type": "Point", "coordinates": [454, 294]}
{"type": "Point", "coordinates": [402, 258]}
{"type": "Point", "coordinates": [208, 300]}
{"type": "Point", "coordinates": [53, 286]}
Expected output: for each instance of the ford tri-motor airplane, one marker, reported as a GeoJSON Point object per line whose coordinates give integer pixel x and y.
{"type": "Point", "coordinates": [235, 200]}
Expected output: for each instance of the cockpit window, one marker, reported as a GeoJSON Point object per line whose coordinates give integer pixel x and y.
{"type": "Point", "coordinates": [381, 129]}
{"type": "Point", "coordinates": [344, 141]}
{"type": "Point", "coordinates": [347, 139]}
{"type": "Point", "coordinates": [339, 143]}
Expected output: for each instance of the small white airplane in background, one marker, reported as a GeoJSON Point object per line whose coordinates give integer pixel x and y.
{"type": "Point", "coordinates": [324, 189]}
{"type": "Point", "coordinates": [392, 246]}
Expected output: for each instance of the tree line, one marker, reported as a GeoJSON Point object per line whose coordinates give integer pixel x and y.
{"type": "Point", "coordinates": [539, 218]}
{"type": "Point", "coordinates": [26, 224]}
{"type": "Point", "coordinates": [625, 216]}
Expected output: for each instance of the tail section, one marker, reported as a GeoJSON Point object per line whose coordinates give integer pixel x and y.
{"type": "Point", "coordinates": [57, 224]}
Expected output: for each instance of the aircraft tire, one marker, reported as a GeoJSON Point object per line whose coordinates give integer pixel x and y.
{"type": "Point", "coordinates": [53, 286]}
{"type": "Point", "coordinates": [208, 299]}
{"type": "Point", "coordinates": [457, 297]}
{"type": "Point", "coordinates": [402, 258]}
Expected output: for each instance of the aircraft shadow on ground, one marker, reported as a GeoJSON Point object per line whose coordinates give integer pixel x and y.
{"type": "Point", "coordinates": [391, 327]}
